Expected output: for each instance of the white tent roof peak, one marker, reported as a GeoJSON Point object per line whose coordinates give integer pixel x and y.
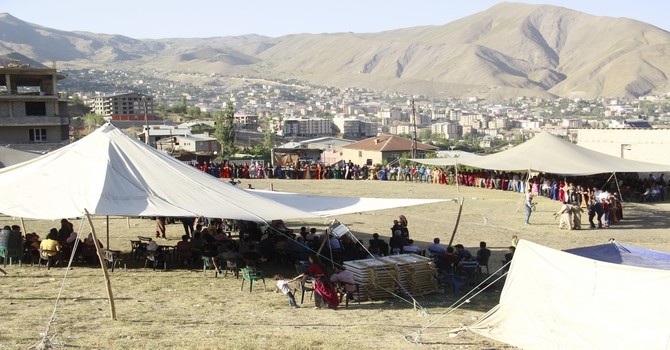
{"type": "Point", "coordinates": [550, 154]}
{"type": "Point", "coordinates": [109, 173]}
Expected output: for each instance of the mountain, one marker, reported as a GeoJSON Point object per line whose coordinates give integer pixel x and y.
{"type": "Point", "coordinates": [509, 50]}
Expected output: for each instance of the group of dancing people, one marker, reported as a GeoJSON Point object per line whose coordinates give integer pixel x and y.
{"type": "Point", "coordinates": [630, 186]}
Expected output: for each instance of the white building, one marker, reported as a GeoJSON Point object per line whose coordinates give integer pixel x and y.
{"type": "Point", "coordinates": [449, 131]}
{"type": "Point", "coordinates": [307, 127]}
{"type": "Point", "coordinates": [647, 145]}
{"type": "Point", "coordinates": [128, 106]}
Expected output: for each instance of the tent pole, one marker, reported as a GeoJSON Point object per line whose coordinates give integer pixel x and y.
{"type": "Point", "coordinates": [23, 226]}
{"type": "Point", "coordinates": [104, 266]}
{"type": "Point", "coordinates": [608, 180]}
{"type": "Point", "coordinates": [458, 219]}
{"type": "Point", "coordinates": [457, 188]}
{"type": "Point", "coordinates": [107, 221]}
{"type": "Point", "coordinates": [620, 197]}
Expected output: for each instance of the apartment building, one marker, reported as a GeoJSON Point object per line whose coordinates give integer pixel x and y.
{"type": "Point", "coordinates": [124, 107]}
{"type": "Point", "coordinates": [245, 121]}
{"type": "Point", "coordinates": [32, 115]}
{"type": "Point", "coordinates": [307, 127]}
{"type": "Point", "coordinates": [354, 128]}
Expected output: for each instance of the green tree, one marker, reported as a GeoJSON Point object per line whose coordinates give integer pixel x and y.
{"type": "Point", "coordinates": [76, 100]}
{"type": "Point", "coordinates": [92, 120]}
{"type": "Point", "coordinates": [194, 111]}
{"type": "Point", "coordinates": [225, 130]}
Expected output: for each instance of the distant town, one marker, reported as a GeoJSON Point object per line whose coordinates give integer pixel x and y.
{"type": "Point", "coordinates": [296, 111]}
{"type": "Point", "coordinates": [47, 108]}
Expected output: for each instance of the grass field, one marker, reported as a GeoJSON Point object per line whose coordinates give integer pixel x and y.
{"type": "Point", "coordinates": [186, 309]}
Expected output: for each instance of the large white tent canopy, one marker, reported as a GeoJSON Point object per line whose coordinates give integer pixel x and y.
{"type": "Point", "coordinates": [550, 154]}
{"type": "Point", "coordinates": [558, 300]}
{"type": "Point", "coordinates": [109, 173]}
{"type": "Point", "coordinates": [333, 206]}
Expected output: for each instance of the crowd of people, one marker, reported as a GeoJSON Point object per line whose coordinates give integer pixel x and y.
{"type": "Point", "coordinates": [629, 186]}
{"type": "Point", "coordinates": [56, 245]}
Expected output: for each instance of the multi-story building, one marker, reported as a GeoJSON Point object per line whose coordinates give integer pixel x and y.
{"type": "Point", "coordinates": [354, 128]}
{"type": "Point", "coordinates": [198, 143]}
{"type": "Point", "coordinates": [449, 130]}
{"type": "Point", "coordinates": [32, 115]}
{"type": "Point", "coordinates": [307, 127]}
{"type": "Point", "coordinates": [246, 121]}
{"type": "Point", "coordinates": [388, 116]}
{"type": "Point", "coordinates": [124, 107]}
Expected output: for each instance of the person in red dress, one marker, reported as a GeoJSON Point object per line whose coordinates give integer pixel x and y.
{"type": "Point", "coordinates": [325, 293]}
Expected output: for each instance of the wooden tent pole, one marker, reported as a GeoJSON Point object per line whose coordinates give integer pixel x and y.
{"type": "Point", "coordinates": [458, 219]}
{"type": "Point", "coordinates": [98, 250]}
{"type": "Point", "coordinates": [457, 188]}
{"type": "Point", "coordinates": [23, 226]}
{"type": "Point", "coordinates": [107, 222]}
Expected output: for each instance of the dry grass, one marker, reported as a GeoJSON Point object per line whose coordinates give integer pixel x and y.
{"type": "Point", "coordinates": [186, 309]}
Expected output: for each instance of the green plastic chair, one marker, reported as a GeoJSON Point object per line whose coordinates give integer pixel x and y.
{"type": "Point", "coordinates": [251, 275]}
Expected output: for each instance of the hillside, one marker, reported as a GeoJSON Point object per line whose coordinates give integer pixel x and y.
{"type": "Point", "coordinates": [512, 49]}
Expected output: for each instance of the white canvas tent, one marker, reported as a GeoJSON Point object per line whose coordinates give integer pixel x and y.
{"type": "Point", "coordinates": [558, 300]}
{"type": "Point", "coordinates": [109, 173]}
{"type": "Point", "coordinates": [550, 154]}
{"type": "Point", "coordinates": [333, 206]}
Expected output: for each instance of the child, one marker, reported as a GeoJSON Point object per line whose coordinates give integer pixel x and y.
{"type": "Point", "coordinates": [282, 285]}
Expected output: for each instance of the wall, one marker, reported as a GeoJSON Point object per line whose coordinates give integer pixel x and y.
{"type": "Point", "coordinates": [647, 145]}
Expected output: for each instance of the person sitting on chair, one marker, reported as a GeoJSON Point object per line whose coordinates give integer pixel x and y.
{"type": "Point", "coordinates": [50, 246]}
{"type": "Point", "coordinates": [379, 245]}
{"type": "Point", "coordinates": [508, 258]}
{"type": "Point", "coordinates": [252, 258]}
{"type": "Point", "coordinates": [483, 254]}
{"type": "Point", "coordinates": [185, 250]}
{"type": "Point", "coordinates": [436, 249]}
{"type": "Point", "coordinates": [344, 280]}
{"type": "Point", "coordinates": [411, 248]}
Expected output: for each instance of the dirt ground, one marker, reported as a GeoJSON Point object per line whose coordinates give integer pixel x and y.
{"type": "Point", "coordinates": [184, 308]}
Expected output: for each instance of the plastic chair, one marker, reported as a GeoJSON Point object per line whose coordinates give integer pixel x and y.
{"type": "Point", "coordinates": [49, 259]}
{"type": "Point", "coordinates": [349, 295]}
{"type": "Point", "coordinates": [112, 258]}
{"type": "Point", "coordinates": [207, 264]}
{"type": "Point", "coordinates": [232, 266]}
{"type": "Point", "coordinates": [252, 275]}
{"type": "Point", "coordinates": [156, 259]}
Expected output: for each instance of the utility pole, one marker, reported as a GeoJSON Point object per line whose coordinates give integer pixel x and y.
{"type": "Point", "coordinates": [411, 102]}
{"type": "Point", "coordinates": [146, 121]}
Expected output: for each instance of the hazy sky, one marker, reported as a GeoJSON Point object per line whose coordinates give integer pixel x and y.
{"type": "Point", "coordinates": [143, 19]}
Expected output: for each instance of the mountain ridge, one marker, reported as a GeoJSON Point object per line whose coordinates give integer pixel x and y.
{"type": "Point", "coordinates": [507, 51]}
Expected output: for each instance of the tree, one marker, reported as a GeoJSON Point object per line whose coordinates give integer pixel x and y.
{"type": "Point", "coordinates": [225, 129]}
{"type": "Point", "coordinates": [92, 120]}
{"type": "Point", "coordinates": [76, 100]}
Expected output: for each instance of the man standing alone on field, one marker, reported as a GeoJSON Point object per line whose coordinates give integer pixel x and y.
{"type": "Point", "coordinates": [528, 204]}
